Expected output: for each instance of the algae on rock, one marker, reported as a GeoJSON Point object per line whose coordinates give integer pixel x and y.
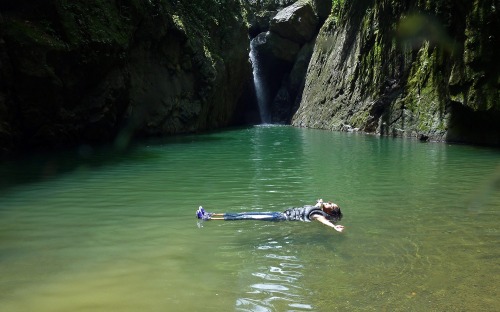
{"type": "Point", "coordinates": [407, 69]}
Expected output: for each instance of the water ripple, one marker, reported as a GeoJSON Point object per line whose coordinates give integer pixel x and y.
{"type": "Point", "coordinates": [120, 234]}
{"type": "Point", "coordinates": [275, 286]}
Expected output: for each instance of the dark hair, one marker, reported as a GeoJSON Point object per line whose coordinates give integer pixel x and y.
{"type": "Point", "coordinates": [335, 214]}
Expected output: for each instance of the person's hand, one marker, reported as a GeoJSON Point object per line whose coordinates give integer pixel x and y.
{"type": "Point", "coordinates": [338, 228]}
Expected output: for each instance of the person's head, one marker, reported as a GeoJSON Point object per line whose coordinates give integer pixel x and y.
{"type": "Point", "coordinates": [333, 210]}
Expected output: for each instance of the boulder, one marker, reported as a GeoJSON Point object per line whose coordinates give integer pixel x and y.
{"type": "Point", "coordinates": [297, 23]}
{"type": "Point", "coordinates": [273, 46]}
{"type": "Point", "coordinates": [259, 22]}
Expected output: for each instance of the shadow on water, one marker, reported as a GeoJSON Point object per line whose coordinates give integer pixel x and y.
{"type": "Point", "coordinates": [50, 165]}
{"type": "Point", "coordinates": [47, 166]}
{"type": "Point", "coordinates": [209, 136]}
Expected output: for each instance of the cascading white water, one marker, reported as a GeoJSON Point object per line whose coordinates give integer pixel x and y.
{"type": "Point", "coordinates": [258, 80]}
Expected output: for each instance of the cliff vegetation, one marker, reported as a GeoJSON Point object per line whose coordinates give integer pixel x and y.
{"type": "Point", "coordinates": [93, 72]}
{"type": "Point", "coordinates": [425, 69]}
{"type": "Point", "coordinates": [87, 72]}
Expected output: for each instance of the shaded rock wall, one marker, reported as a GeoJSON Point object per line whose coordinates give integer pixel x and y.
{"type": "Point", "coordinates": [284, 46]}
{"type": "Point", "coordinates": [423, 69]}
{"type": "Point", "coordinates": [84, 72]}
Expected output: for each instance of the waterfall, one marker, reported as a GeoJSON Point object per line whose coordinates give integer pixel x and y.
{"type": "Point", "coordinates": [259, 82]}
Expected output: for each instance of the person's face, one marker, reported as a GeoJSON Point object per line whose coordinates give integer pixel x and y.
{"type": "Point", "coordinates": [328, 207]}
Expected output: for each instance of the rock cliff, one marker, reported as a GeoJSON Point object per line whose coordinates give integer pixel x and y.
{"type": "Point", "coordinates": [425, 69]}
{"type": "Point", "coordinates": [85, 72]}
{"type": "Point", "coordinates": [283, 44]}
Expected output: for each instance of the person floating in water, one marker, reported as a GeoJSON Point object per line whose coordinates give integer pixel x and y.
{"type": "Point", "coordinates": [326, 213]}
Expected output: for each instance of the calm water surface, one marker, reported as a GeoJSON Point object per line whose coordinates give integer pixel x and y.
{"type": "Point", "coordinates": [104, 231]}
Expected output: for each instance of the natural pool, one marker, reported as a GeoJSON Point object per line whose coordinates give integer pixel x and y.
{"type": "Point", "coordinates": [109, 231]}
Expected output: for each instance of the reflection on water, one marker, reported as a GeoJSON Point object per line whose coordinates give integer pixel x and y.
{"type": "Point", "coordinates": [277, 285]}
{"type": "Point", "coordinates": [117, 232]}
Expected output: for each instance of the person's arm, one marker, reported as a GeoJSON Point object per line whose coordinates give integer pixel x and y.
{"type": "Point", "coordinates": [325, 221]}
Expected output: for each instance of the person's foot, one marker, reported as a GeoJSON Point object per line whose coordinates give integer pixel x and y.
{"type": "Point", "coordinates": [202, 214]}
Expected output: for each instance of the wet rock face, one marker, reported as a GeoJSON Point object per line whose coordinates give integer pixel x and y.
{"type": "Point", "coordinates": [95, 71]}
{"type": "Point", "coordinates": [423, 70]}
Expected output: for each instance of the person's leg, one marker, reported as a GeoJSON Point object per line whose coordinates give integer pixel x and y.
{"type": "Point", "coordinates": [264, 216]}
{"type": "Point", "coordinates": [230, 216]}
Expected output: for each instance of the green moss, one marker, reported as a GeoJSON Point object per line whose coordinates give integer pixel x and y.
{"type": "Point", "coordinates": [337, 6]}
{"type": "Point", "coordinates": [95, 21]}
{"type": "Point", "coordinates": [423, 98]}
{"type": "Point", "coordinates": [178, 23]}
{"type": "Point", "coordinates": [360, 118]}
{"type": "Point", "coordinates": [28, 32]}
{"type": "Point", "coordinates": [337, 9]}
{"type": "Point", "coordinates": [201, 20]}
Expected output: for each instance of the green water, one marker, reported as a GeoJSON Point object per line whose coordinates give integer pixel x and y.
{"type": "Point", "coordinates": [103, 231]}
